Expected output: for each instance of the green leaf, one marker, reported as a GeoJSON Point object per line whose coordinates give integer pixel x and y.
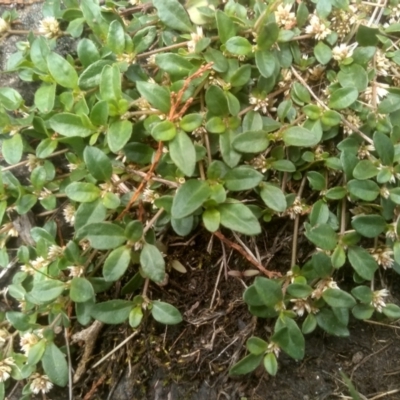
{"type": "Point", "coordinates": [266, 62]}
{"type": "Point", "coordinates": [211, 219]}
{"type": "Point", "coordinates": [328, 321]}
{"type": "Point", "coordinates": [239, 218]}
{"type": "Point", "coordinates": [271, 364]}
{"type": "Point", "coordinates": [54, 364]}
{"type": "Point", "coordinates": [267, 35]}
{"type": "Point", "coordinates": [365, 169]}
{"type": "Point", "coordinates": [362, 293]}
{"type": "Point", "coordinates": [384, 148]}
{"type": "Point", "coordinates": [215, 125]}
{"type": "Point", "coordinates": [392, 311]}
{"type": "Point", "coordinates": [239, 46]}
{"type": "Point", "coordinates": [369, 226]}
{"type": "Point", "coordinates": [10, 99]}
{"type": "Point", "coordinates": [338, 257]}
{"type": "Point", "coordinates": [163, 131]}
{"type": "Point", "coordinates": [367, 36]}
{"type": "Point", "coordinates": [116, 37]}
{"type": "Point", "coordinates": [323, 53]}
{"type": "Point", "coordinates": [116, 264]}
{"type": "Point", "coordinates": [331, 118]}
{"type": "Point", "coordinates": [319, 213]}
{"type": "Point", "coordinates": [45, 291]}
{"type": "Point", "coordinates": [12, 149]}
{"type": "Point", "coordinates": [173, 15]}
{"type": "Point", "coordinates": [134, 231]}
{"type": "Point", "coordinates": [135, 316]}
{"type": "Point", "coordinates": [299, 290]}
{"type": "Point", "coordinates": [82, 192]}
{"type": "Point", "coordinates": [87, 52]}
{"type": "Point", "coordinates": [216, 101]}
{"type": "Point", "coordinates": [152, 262]}
{"type": "Point", "coordinates": [246, 365]}
{"type": "Point", "coordinates": [112, 312]}
{"type": "Point", "coordinates": [317, 180]}
{"type": "Point", "coordinates": [190, 122]}
{"type": "Point", "coordinates": [242, 178]}
{"type": "Point", "coordinates": [62, 71]}
{"type": "Point", "coordinates": [98, 164]}
{"type": "Point", "coordinates": [69, 125]}
{"type": "Point", "coordinates": [269, 291]}
{"type": "Point", "coordinates": [362, 262]}
{"type": "Point", "coordinates": [338, 298]}
{"type": "Point", "coordinates": [273, 197]}
{"type": "Point", "coordinates": [256, 346]}
{"type": "Point", "coordinates": [174, 64]}
{"type": "Point", "coordinates": [156, 95]}
{"type": "Point", "coordinates": [323, 236]}
{"type": "Point", "coordinates": [81, 290]}
{"type": "Point", "coordinates": [45, 97]}
{"type": "Point", "coordinates": [343, 98]}
{"type": "Point", "coordinates": [251, 297]}
{"type": "Point", "coordinates": [189, 197]}
{"type": "Point", "coordinates": [283, 165]}
{"type": "Point", "coordinates": [183, 153]}
{"type": "Point", "coordinates": [301, 137]}
{"type": "Point", "coordinates": [290, 339]}
{"type": "Point", "coordinates": [90, 212]}
{"type": "Point", "coordinates": [353, 75]}
{"type": "Point", "coordinates": [241, 76]}
{"type": "Point", "coordinates": [103, 235]}
{"type": "Point", "coordinates": [36, 353]}
{"type": "Point", "coordinates": [18, 320]}
{"type": "Point", "coordinates": [225, 25]}
{"type": "Point", "coordinates": [110, 83]}
{"type": "Point", "coordinates": [118, 135]}
{"type": "Point", "coordinates": [251, 142]}
{"type": "Point", "coordinates": [365, 190]}
{"type": "Point", "coordinates": [309, 324]}
{"type": "Point", "coordinates": [165, 313]}
{"type": "Point", "coordinates": [395, 195]}
{"type": "Point", "coordinates": [92, 76]}
{"type": "Point", "coordinates": [363, 311]}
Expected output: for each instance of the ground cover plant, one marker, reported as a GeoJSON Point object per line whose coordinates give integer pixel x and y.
{"type": "Point", "coordinates": [212, 117]}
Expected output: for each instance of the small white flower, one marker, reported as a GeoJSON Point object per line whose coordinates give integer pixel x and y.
{"type": "Point", "coordinates": [149, 196]}
{"type": "Point", "coordinates": [383, 256]}
{"type": "Point", "coordinates": [28, 340]}
{"type": "Point", "coordinates": [259, 163]}
{"type": "Point", "coordinates": [195, 39]}
{"type": "Point", "coordinates": [134, 2]}
{"type": "Point", "coordinates": [5, 368]}
{"type": "Point", "coordinates": [273, 348]}
{"type": "Point", "coordinates": [69, 214]}
{"type": "Point", "coordinates": [9, 229]}
{"type": "Point", "coordinates": [317, 28]}
{"type": "Point", "coordinates": [44, 193]}
{"type": "Point", "coordinates": [40, 383]}
{"type": "Point", "coordinates": [4, 335]}
{"type": "Point", "coordinates": [378, 301]}
{"type": "Point", "coordinates": [364, 151]}
{"type": "Point", "coordinates": [76, 270]}
{"type": "Point", "coordinates": [343, 51]}
{"type": "Point", "coordinates": [4, 26]}
{"type": "Point", "coordinates": [300, 306]}
{"type": "Point", "coordinates": [49, 27]}
{"type": "Point", "coordinates": [259, 104]}
{"type": "Point", "coordinates": [382, 64]}
{"type": "Point", "coordinates": [285, 18]}
{"type": "Point", "coordinates": [39, 262]}
{"type": "Point", "coordinates": [32, 162]}
{"type": "Point", "coordinates": [54, 252]}
{"type": "Point", "coordinates": [321, 286]}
